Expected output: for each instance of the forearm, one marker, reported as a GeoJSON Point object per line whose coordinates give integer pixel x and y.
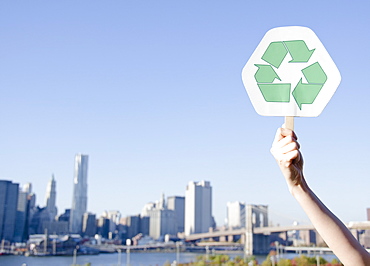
{"type": "Point", "coordinates": [332, 230]}
{"type": "Point", "coordinates": [285, 149]}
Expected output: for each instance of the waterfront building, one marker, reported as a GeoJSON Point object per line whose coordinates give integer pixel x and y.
{"type": "Point", "coordinates": [31, 207]}
{"type": "Point", "coordinates": [79, 200]}
{"type": "Point", "coordinates": [38, 220]}
{"type": "Point", "coordinates": [198, 207]}
{"type": "Point", "coordinates": [65, 216]}
{"type": "Point", "coordinates": [236, 215]}
{"type": "Point", "coordinates": [122, 231]}
{"type": "Point", "coordinates": [114, 218]}
{"type": "Point", "coordinates": [161, 220]}
{"type": "Point", "coordinates": [133, 225]}
{"type": "Point", "coordinates": [307, 238]}
{"type": "Point", "coordinates": [8, 209]}
{"type": "Point", "coordinates": [51, 195]}
{"type": "Point", "coordinates": [55, 227]}
{"type": "Point", "coordinates": [144, 225]}
{"type": "Point", "coordinates": [161, 223]}
{"type": "Point", "coordinates": [177, 204]}
{"type": "Point", "coordinates": [27, 188]}
{"type": "Point", "coordinates": [21, 226]}
{"type": "Point", "coordinates": [103, 227]}
{"type": "Point", "coordinates": [89, 224]}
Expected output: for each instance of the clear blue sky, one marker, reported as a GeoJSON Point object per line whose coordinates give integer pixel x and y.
{"type": "Point", "coordinates": [152, 92]}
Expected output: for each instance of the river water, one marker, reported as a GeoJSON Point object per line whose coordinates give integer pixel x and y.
{"type": "Point", "coordinates": [135, 259]}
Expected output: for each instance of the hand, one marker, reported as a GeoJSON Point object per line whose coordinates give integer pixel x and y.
{"type": "Point", "coordinates": [285, 149]}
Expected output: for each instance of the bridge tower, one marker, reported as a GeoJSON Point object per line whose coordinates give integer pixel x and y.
{"type": "Point", "coordinates": [256, 216]}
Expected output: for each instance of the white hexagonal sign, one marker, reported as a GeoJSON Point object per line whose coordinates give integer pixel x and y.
{"type": "Point", "coordinates": [290, 74]}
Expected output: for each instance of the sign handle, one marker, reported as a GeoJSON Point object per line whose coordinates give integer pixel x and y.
{"type": "Point", "coordinates": [289, 122]}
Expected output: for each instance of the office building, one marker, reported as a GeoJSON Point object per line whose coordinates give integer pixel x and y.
{"type": "Point", "coordinates": [133, 225]}
{"type": "Point", "coordinates": [39, 218]}
{"type": "Point", "coordinates": [177, 204]}
{"type": "Point", "coordinates": [51, 195]}
{"type": "Point", "coordinates": [55, 227]}
{"type": "Point", "coordinates": [198, 207]}
{"type": "Point", "coordinates": [103, 227]}
{"type": "Point", "coordinates": [114, 218]}
{"type": "Point", "coordinates": [21, 226]}
{"type": "Point", "coordinates": [236, 215]}
{"type": "Point", "coordinates": [161, 223]}
{"type": "Point", "coordinates": [79, 201]}
{"type": "Point", "coordinates": [31, 207]}
{"type": "Point", "coordinates": [89, 224]}
{"type": "Point", "coordinates": [161, 220]}
{"type": "Point", "coordinates": [144, 225]}
{"type": "Point", "coordinates": [8, 209]}
{"type": "Point", "coordinates": [66, 216]}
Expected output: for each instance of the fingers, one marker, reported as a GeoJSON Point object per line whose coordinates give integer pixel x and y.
{"type": "Point", "coordinates": [287, 144]}
{"type": "Point", "coordinates": [285, 147]}
{"type": "Point", "coordinates": [284, 132]}
{"type": "Point", "coordinates": [289, 157]}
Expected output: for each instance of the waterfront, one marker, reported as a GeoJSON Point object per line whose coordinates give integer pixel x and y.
{"type": "Point", "coordinates": [136, 259]}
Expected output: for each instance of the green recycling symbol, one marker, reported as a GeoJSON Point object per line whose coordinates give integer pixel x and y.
{"type": "Point", "coordinates": [303, 93]}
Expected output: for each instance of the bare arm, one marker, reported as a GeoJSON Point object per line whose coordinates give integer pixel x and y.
{"type": "Point", "coordinates": [286, 152]}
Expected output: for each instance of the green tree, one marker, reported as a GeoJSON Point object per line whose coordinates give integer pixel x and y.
{"type": "Point", "coordinates": [201, 263]}
{"type": "Point", "coordinates": [336, 262]}
{"type": "Point", "coordinates": [267, 261]}
{"type": "Point", "coordinates": [284, 262]}
{"type": "Point", "coordinates": [249, 259]}
{"type": "Point", "coordinates": [301, 261]}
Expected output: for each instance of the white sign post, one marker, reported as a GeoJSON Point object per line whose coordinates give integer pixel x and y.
{"type": "Point", "coordinates": [290, 74]}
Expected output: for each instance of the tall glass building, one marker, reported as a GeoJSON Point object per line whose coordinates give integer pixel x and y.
{"type": "Point", "coordinates": [79, 200]}
{"type": "Point", "coordinates": [8, 209]}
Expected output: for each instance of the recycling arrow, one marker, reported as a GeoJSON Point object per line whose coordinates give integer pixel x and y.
{"type": "Point", "coordinates": [265, 74]}
{"type": "Point", "coordinates": [306, 93]}
{"type": "Point", "coordinates": [303, 93]}
{"type": "Point", "coordinates": [299, 51]}
{"type": "Point", "coordinates": [278, 92]}
{"type": "Point", "coordinates": [275, 54]}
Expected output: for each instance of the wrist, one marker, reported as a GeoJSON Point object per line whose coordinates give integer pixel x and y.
{"type": "Point", "coordinates": [297, 190]}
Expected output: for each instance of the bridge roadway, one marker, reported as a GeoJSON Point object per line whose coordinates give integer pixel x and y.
{"type": "Point", "coordinates": [268, 230]}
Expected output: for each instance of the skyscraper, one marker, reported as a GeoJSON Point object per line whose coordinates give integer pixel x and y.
{"type": "Point", "coordinates": [8, 209]}
{"type": "Point", "coordinates": [51, 195]}
{"type": "Point", "coordinates": [236, 214]}
{"type": "Point", "coordinates": [177, 204]}
{"type": "Point", "coordinates": [198, 207]}
{"type": "Point", "coordinates": [79, 200]}
{"type": "Point", "coordinates": [21, 226]}
{"type": "Point", "coordinates": [161, 222]}
{"type": "Point", "coordinates": [89, 224]}
{"type": "Point", "coordinates": [31, 208]}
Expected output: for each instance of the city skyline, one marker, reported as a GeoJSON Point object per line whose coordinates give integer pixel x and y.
{"type": "Point", "coordinates": [172, 202]}
{"type": "Point", "coordinates": [81, 160]}
{"type": "Point", "coordinates": [152, 92]}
